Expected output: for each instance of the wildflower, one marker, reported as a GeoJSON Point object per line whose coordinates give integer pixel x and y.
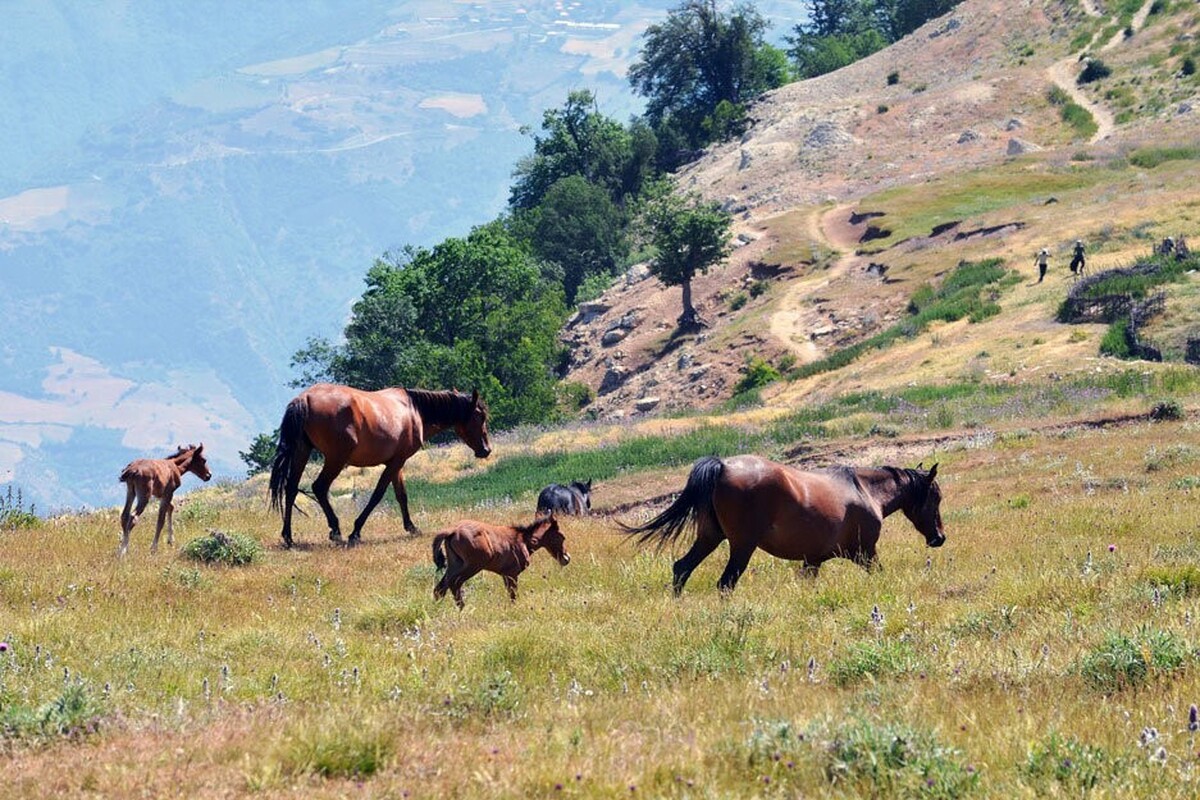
{"type": "Point", "coordinates": [1193, 719]}
{"type": "Point", "coordinates": [3, 647]}
{"type": "Point", "coordinates": [558, 787]}
{"type": "Point", "coordinates": [1160, 755]}
{"type": "Point", "coordinates": [1148, 736]}
{"type": "Point", "coordinates": [1112, 548]}
{"type": "Point", "coordinates": [876, 618]}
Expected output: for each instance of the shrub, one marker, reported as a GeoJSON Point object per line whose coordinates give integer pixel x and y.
{"type": "Point", "coordinates": [1070, 763]}
{"type": "Point", "coordinates": [341, 751]}
{"type": "Point", "coordinates": [759, 288]}
{"type": "Point", "coordinates": [758, 374]}
{"type": "Point", "coordinates": [13, 513]}
{"type": "Point", "coordinates": [881, 109]}
{"type": "Point", "coordinates": [1116, 340]}
{"type": "Point", "coordinates": [73, 713]}
{"type": "Point", "coordinates": [218, 547]}
{"type": "Point", "coordinates": [1189, 66]}
{"type": "Point", "coordinates": [874, 659]}
{"type": "Point", "coordinates": [1150, 157]}
{"type": "Point", "coordinates": [1166, 410]}
{"type": "Point", "coordinates": [895, 761]}
{"type": "Point", "coordinates": [738, 301]}
{"type": "Point", "coordinates": [1094, 70]}
{"type": "Point", "coordinates": [1123, 662]}
{"type": "Point", "coordinates": [893, 78]}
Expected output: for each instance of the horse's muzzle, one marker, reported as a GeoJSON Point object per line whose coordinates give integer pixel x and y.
{"type": "Point", "coordinates": [483, 452]}
{"type": "Point", "coordinates": [566, 559]}
{"type": "Point", "coordinates": [936, 541]}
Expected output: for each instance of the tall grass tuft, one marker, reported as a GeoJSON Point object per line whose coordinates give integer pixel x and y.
{"type": "Point", "coordinates": [892, 760]}
{"type": "Point", "coordinates": [218, 547]}
{"type": "Point", "coordinates": [337, 751]}
{"type": "Point", "coordinates": [1128, 662]}
{"type": "Point", "coordinates": [1073, 765]}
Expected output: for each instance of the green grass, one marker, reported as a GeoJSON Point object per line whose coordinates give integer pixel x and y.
{"type": "Point", "coordinates": [915, 210]}
{"type": "Point", "coordinates": [1074, 115]}
{"type": "Point", "coordinates": [961, 295]}
{"type": "Point", "coordinates": [1151, 157]}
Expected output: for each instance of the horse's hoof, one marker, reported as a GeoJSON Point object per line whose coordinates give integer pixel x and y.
{"type": "Point", "coordinates": [353, 540]}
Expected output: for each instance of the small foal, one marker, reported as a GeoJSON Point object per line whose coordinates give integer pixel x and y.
{"type": "Point", "coordinates": [471, 547]}
{"type": "Point", "coordinates": [158, 477]}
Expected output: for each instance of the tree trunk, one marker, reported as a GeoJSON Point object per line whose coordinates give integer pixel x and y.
{"type": "Point", "coordinates": [689, 318]}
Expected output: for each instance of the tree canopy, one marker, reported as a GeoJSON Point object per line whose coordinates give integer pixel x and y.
{"type": "Point", "coordinates": [698, 59]}
{"type": "Point", "coordinates": [469, 313]}
{"type": "Point", "coordinates": [689, 235]}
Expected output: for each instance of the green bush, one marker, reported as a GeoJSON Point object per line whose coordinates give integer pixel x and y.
{"type": "Point", "coordinates": [1125, 662]}
{"type": "Point", "coordinates": [1070, 763]}
{"type": "Point", "coordinates": [893, 78]}
{"type": "Point", "coordinates": [1116, 340]}
{"type": "Point", "coordinates": [871, 659]}
{"type": "Point", "coordinates": [738, 301]}
{"type": "Point", "coordinates": [344, 751]}
{"type": "Point", "coordinates": [13, 513]}
{"type": "Point", "coordinates": [892, 760]}
{"type": "Point", "coordinates": [1167, 410]}
{"type": "Point", "coordinates": [1150, 157]}
{"type": "Point", "coordinates": [758, 374]}
{"type": "Point", "coordinates": [1094, 70]}
{"type": "Point", "coordinates": [73, 713]}
{"type": "Point", "coordinates": [218, 547]}
{"type": "Point", "coordinates": [1189, 66]}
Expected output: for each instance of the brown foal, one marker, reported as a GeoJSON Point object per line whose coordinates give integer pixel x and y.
{"type": "Point", "coordinates": [471, 547]}
{"type": "Point", "coordinates": [158, 477]}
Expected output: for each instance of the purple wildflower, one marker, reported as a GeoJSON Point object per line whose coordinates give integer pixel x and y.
{"type": "Point", "coordinates": [3, 647]}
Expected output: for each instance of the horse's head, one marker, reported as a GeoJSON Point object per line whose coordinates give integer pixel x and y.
{"type": "Point", "coordinates": [585, 492]}
{"type": "Point", "coordinates": [198, 464]}
{"type": "Point", "coordinates": [473, 430]}
{"type": "Point", "coordinates": [924, 512]}
{"type": "Point", "coordinates": [545, 533]}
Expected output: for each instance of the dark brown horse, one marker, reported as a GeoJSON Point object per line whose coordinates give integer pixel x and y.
{"type": "Point", "coordinates": [800, 516]}
{"type": "Point", "coordinates": [352, 427]}
{"type": "Point", "coordinates": [158, 477]}
{"type": "Point", "coordinates": [471, 547]}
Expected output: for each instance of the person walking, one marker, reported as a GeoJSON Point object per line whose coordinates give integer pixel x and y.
{"type": "Point", "coordinates": [1042, 260]}
{"type": "Point", "coordinates": [1078, 262]}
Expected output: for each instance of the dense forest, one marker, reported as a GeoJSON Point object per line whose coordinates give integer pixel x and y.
{"type": "Point", "coordinates": [484, 310]}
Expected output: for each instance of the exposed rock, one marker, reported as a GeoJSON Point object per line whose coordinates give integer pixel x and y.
{"type": "Point", "coordinates": [699, 372]}
{"type": "Point", "coordinates": [1184, 108]}
{"type": "Point", "coordinates": [613, 336]}
{"type": "Point", "coordinates": [587, 312]}
{"type": "Point", "coordinates": [825, 330]}
{"type": "Point", "coordinates": [613, 378]}
{"type": "Point", "coordinates": [685, 361]}
{"type": "Point", "coordinates": [1014, 124]}
{"type": "Point", "coordinates": [746, 159]}
{"type": "Point", "coordinates": [827, 134]}
{"type": "Point", "coordinates": [636, 274]}
{"type": "Point", "coordinates": [647, 404]}
{"type": "Point", "coordinates": [968, 136]}
{"type": "Point", "coordinates": [1018, 147]}
{"type": "Point", "coordinates": [875, 268]}
{"type": "Point", "coordinates": [951, 26]}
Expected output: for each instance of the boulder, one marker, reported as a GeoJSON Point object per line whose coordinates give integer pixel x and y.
{"type": "Point", "coordinates": [613, 378]}
{"type": "Point", "coordinates": [646, 404]}
{"type": "Point", "coordinates": [613, 336]}
{"type": "Point", "coordinates": [1017, 147]}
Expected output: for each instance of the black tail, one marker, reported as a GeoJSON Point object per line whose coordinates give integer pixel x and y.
{"type": "Point", "coordinates": [291, 432]}
{"type": "Point", "coordinates": [439, 555]}
{"type": "Point", "coordinates": [694, 501]}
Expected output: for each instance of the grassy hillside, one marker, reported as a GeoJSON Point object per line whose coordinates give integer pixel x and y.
{"type": "Point", "coordinates": [1049, 649]}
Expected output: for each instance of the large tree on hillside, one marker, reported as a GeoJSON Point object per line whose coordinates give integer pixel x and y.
{"type": "Point", "coordinates": [689, 235]}
{"type": "Point", "coordinates": [471, 313]}
{"type": "Point", "coordinates": [579, 229]}
{"type": "Point", "coordinates": [698, 59]}
{"type": "Point", "coordinates": [577, 139]}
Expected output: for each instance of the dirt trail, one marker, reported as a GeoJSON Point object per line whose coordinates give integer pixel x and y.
{"type": "Point", "coordinates": [1063, 73]}
{"type": "Point", "coordinates": [795, 319]}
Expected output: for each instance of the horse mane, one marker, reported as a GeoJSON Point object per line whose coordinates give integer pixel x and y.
{"type": "Point", "coordinates": [441, 408]}
{"type": "Point", "coordinates": [526, 530]}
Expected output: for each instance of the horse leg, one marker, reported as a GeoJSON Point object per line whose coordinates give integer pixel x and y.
{"type": "Point", "coordinates": [126, 518]}
{"type": "Point", "coordinates": [457, 584]}
{"type": "Point", "coordinates": [143, 499]}
{"type": "Point", "coordinates": [164, 510]}
{"type": "Point", "coordinates": [510, 583]}
{"type": "Point", "coordinates": [809, 571]}
{"type": "Point", "coordinates": [292, 488]}
{"type": "Point", "coordinates": [701, 549]}
{"type": "Point", "coordinates": [402, 499]}
{"type": "Point", "coordinates": [453, 565]}
{"type": "Point", "coordinates": [320, 489]}
{"type": "Point", "coordinates": [739, 557]}
{"type": "Point", "coordinates": [389, 472]}
{"type": "Point", "coordinates": [868, 538]}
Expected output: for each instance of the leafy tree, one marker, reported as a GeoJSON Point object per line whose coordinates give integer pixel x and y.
{"type": "Point", "coordinates": [473, 312]}
{"type": "Point", "coordinates": [578, 140]}
{"type": "Point", "coordinates": [261, 454]}
{"type": "Point", "coordinates": [695, 60]}
{"type": "Point", "coordinates": [688, 235]}
{"type": "Point", "coordinates": [578, 228]}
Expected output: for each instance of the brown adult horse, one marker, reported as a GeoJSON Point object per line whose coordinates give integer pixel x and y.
{"type": "Point", "coordinates": [352, 427]}
{"type": "Point", "coordinates": [471, 547]}
{"type": "Point", "coordinates": [800, 516]}
{"type": "Point", "coordinates": [158, 477]}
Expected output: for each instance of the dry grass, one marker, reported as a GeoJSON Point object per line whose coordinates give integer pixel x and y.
{"type": "Point", "coordinates": [326, 668]}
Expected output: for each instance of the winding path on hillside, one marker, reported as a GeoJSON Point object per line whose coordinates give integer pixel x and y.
{"type": "Point", "coordinates": [1063, 73]}
{"type": "Point", "coordinates": [795, 319]}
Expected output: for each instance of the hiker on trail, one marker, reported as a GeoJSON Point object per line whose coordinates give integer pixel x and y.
{"type": "Point", "coordinates": [1078, 262]}
{"type": "Point", "coordinates": [1042, 261]}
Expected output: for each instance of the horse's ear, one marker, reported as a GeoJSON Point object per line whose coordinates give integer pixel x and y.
{"type": "Point", "coordinates": [589, 484]}
{"type": "Point", "coordinates": [933, 472]}
{"type": "Point", "coordinates": [474, 395]}
{"type": "Point", "coordinates": [200, 448]}
{"type": "Point", "coordinates": [921, 465]}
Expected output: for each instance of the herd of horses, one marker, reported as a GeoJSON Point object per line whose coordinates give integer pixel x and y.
{"type": "Point", "coordinates": [749, 501]}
